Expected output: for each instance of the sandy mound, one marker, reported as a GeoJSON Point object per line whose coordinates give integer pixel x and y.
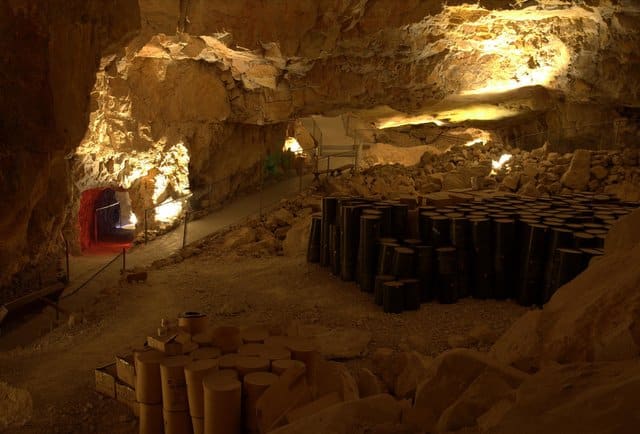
{"type": "Point", "coordinates": [16, 407]}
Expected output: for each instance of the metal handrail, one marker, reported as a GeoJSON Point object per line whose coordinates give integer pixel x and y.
{"type": "Point", "coordinates": [106, 207]}
{"type": "Point", "coordinates": [97, 273]}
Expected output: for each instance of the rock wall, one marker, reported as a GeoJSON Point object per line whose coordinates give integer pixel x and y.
{"type": "Point", "coordinates": [50, 53]}
{"type": "Point", "coordinates": [554, 64]}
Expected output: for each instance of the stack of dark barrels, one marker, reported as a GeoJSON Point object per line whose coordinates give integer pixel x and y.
{"type": "Point", "coordinates": [498, 247]}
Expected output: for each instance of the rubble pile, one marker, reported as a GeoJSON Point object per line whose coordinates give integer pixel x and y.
{"type": "Point", "coordinates": [537, 173]}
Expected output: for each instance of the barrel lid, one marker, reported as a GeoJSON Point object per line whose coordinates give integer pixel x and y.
{"type": "Point", "coordinates": [221, 382]}
{"type": "Point", "coordinates": [597, 231]}
{"type": "Point", "coordinates": [575, 226]}
{"type": "Point", "coordinates": [504, 220]}
{"type": "Point", "coordinates": [593, 252]}
{"type": "Point", "coordinates": [562, 229]}
{"type": "Point", "coordinates": [175, 361]}
{"type": "Point", "coordinates": [261, 378]}
{"type": "Point", "coordinates": [583, 235]}
{"type": "Point", "coordinates": [404, 250]}
{"type": "Point", "coordinates": [445, 249]}
{"type": "Point", "coordinates": [569, 250]}
{"type": "Point", "coordinates": [201, 365]}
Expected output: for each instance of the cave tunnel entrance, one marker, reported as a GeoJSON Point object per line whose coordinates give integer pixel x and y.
{"type": "Point", "coordinates": [106, 221]}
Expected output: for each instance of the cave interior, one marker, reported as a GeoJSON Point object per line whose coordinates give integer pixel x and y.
{"type": "Point", "coordinates": [306, 216]}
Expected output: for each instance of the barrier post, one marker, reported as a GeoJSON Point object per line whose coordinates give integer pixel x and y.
{"type": "Point", "coordinates": [145, 226]}
{"type": "Point", "coordinates": [262, 167]}
{"type": "Point", "coordinates": [124, 259]}
{"type": "Point", "coordinates": [66, 254]}
{"type": "Point", "coordinates": [184, 231]}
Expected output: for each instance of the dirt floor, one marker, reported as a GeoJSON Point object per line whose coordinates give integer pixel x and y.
{"type": "Point", "coordinates": [57, 369]}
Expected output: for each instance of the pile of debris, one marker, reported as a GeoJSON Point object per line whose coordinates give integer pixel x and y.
{"type": "Point", "coordinates": [260, 236]}
{"type": "Point", "coordinates": [536, 173]}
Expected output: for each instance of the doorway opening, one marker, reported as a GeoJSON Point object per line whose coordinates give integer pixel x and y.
{"type": "Point", "coordinates": [106, 221]}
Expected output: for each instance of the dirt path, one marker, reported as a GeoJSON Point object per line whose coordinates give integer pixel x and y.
{"type": "Point", "coordinates": [58, 369]}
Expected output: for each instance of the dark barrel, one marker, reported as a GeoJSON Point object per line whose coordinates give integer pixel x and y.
{"type": "Point", "coordinates": [424, 226]}
{"type": "Point", "coordinates": [504, 237]}
{"type": "Point", "coordinates": [392, 297]}
{"type": "Point", "coordinates": [533, 239]}
{"type": "Point", "coordinates": [368, 250]}
{"type": "Point", "coordinates": [440, 231]}
{"type": "Point", "coordinates": [399, 216]}
{"type": "Point", "coordinates": [412, 296]}
{"type": "Point", "coordinates": [460, 234]}
{"type": "Point", "coordinates": [379, 287]}
{"type": "Point", "coordinates": [334, 249]}
{"type": "Point", "coordinates": [447, 291]}
{"type": "Point", "coordinates": [567, 264]}
{"type": "Point", "coordinates": [482, 258]}
{"type": "Point", "coordinates": [349, 240]}
{"type": "Point", "coordinates": [385, 219]}
{"type": "Point", "coordinates": [386, 250]}
{"type": "Point", "coordinates": [403, 263]}
{"type": "Point", "coordinates": [329, 204]}
{"type": "Point", "coordinates": [558, 238]}
{"type": "Point", "coordinates": [426, 272]}
{"type": "Point", "coordinates": [313, 247]}
{"type": "Point", "coordinates": [584, 240]}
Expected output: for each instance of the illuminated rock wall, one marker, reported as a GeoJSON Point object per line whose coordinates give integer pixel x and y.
{"type": "Point", "coordinates": [49, 53]}
{"type": "Point", "coordinates": [494, 66]}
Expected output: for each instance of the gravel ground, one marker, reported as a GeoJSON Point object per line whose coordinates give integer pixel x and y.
{"type": "Point", "coordinates": [233, 288]}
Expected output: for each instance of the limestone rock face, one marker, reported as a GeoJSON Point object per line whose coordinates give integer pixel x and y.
{"type": "Point", "coordinates": [564, 399]}
{"type": "Point", "coordinates": [576, 324]}
{"type": "Point", "coordinates": [349, 417]}
{"type": "Point", "coordinates": [577, 177]}
{"type": "Point", "coordinates": [182, 82]}
{"type": "Point", "coordinates": [50, 55]}
{"type": "Point", "coordinates": [460, 386]}
{"type": "Point", "coordinates": [297, 237]}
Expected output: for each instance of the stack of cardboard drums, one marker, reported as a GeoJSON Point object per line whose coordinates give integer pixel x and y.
{"type": "Point", "coordinates": [194, 378]}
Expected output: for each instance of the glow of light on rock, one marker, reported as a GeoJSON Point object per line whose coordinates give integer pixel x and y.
{"type": "Point", "coordinates": [505, 50]}
{"type": "Point", "coordinates": [473, 112]}
{"type": "Point", "coordinates": [133, 219]}
{"type": "Point", "coordinates": [398, 121]}
{"type": "Point", "coordinates": [474, 142]}
{"type": "Point", "coordinates": [497, 165]}
{"type": "Point", "coordinates": [291, 144]}
{"type": "Point", "coordinates": [168, 211]}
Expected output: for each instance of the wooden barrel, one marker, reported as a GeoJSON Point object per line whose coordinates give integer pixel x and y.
{"type": "Point", "coordinates": [273, 352]}
{"type": "Point", "coordinates": [206, 353]}
{"type": "Point", "coordinates": [177, 422]}
{"type": "Point", "coordinates": [279, 366]}
{"type": "Point", "coordinates": [194, 373]}
{"type": "Point", "coordinates": [151, 421]}
{"type": "Point", "coordinates": [148, 383]}
{"type": "Point", "coordinates": [254, 335]}
{"type": "Point", "coordinates": [174, 385]}
{"type": "Point", "coordinates": [247, 364]}
{"type": "Point", "coordinates": [193, 322]}
{"type": "Point", "coordinates": [254, 385]}
{"type": "Point", "coordinates": [227, 338]}
{"type": "Point", "coordinates": [222, 404]}
{"type": "Point", "coordinates": [228, 361]}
